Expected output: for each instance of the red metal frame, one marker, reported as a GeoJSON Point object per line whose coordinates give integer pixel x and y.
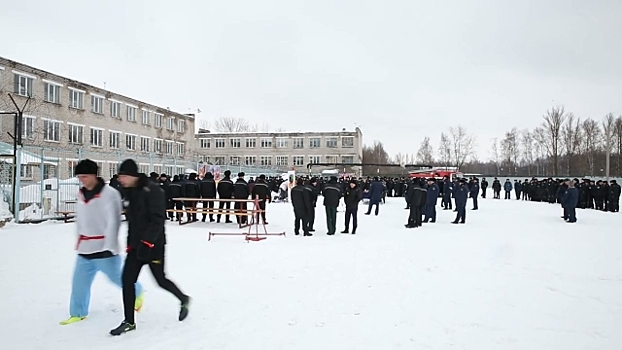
{"type": "Point", "coordinates": [250, 236]}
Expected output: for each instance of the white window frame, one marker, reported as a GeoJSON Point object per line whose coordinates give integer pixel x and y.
{"type": "Point", "coordinates": [146, 117]}
{"type": "Point", "coordinates": [101, 137]}
{"type": "Point", "coordinates": [45, 130]}
{"type": "Point", "coordinates": [130, 112]}
{"type": "Point", "coordinates": [52, 91]}
{"type": "Point", "coordinates": [29, 80]}
{"type": "Point", "coordinates": [29, 132]}
{"type": "Point", "coordinates": [315, 159]}
{"type": "Point", "coordinates": [157, 120]}
{"type": "Point", "coordinates": [279, 160]}
{"type": "Point", "coordinates": [181, 148]}
{"type": "Point", "coordinates": [205, 143]}
{"type": "Point", "coordinates": [70, 132]}
{"type": "Point", "coordinates": [343, 161]}
{"type": "Point", "coordinates": [218, 141]}
{"type": "Point", "coordinates": [234, 160]}
{"type": "Point", "coordinates": [143, 144]}
{"type": "Point", "coordinates": [170, 123]}
{"type": "Point", "coordinates": [130, 146]}
{"type": "Point", "coordinates": [169, 147]}
{"type": "Point", "coordinates": [181, 126]}
{"type": "Point", "coordinates": [330, 140]}
{"type": "Point", "coordinates": [220, 160]}
{"type": "Point", "coordinates": [157, 145]}
{"type": "Point", "coordinates": [294, 158]}
{"type": "Point", "coordinates": [111, 144]}
{"type": "Point", "coordinates": [97, 104]}
{"type": "Point", "coordinates": [282, 142]}
{"type": "Point", "coordinates": [295, 142]}
{"type": "Point", "coordinates": [76, 98]}
{"type": "Point", "coordinates": [112, 168]}
{"type": "Point", "coordinates": [343, 141]}
{"type": "Point", "coordinates": [265, 161]}
{"type": "Point", "coordinates": [265, 142]}
{"type": "Point", "coordinates": [235, 142]}
{"type": "Point", "coordinates": [251, 142]}
{"type": "Point", "coordinates": [249, 157]}
{"type": "Point", "coordinates": [26, 172]}
{"type": "Point", "coordinates": [332, 159]}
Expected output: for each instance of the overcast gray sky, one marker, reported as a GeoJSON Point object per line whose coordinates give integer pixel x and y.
{"type": "Point", "coordinates": [401, 70]}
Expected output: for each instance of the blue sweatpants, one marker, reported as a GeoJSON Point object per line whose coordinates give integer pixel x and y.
{"type": "Point", "coordinates": [83, 276]}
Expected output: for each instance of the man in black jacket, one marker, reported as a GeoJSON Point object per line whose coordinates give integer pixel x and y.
{"type": "Point", "coordinates": [414, 197]}
{"type": "Point", "coordinates": [301, 198]}
{"type": "Point", "coordinates": [225, 192]}
{"type": "Point", "coordinates": [176, 190]}
{"type": "Point", "coordinates": [315, 191]}
{"type": "Point", "coordinates": [191, 188]}
{"type": "Point", "coordinates": [146, 241]}
{"type": "Point", "coordinates": [208, 191]}
{"type": "Point", "coordinates": [352, 196]}
{"type": "Point", "coordinates": [261, 191]}
{"type": "Point", "coordinates": [240, 191]}
{"type": "Point", "coordinates": [332, 195]}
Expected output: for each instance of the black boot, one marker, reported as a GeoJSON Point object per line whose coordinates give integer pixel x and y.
{"type": "Point", "coordinates": [183, 311]}
{"type": "Point", "coordinates": [345, 231]}
{"type": "Point", "coordinates": [354, 231]}
{"type": "Point", "coordinates": [124, 327]}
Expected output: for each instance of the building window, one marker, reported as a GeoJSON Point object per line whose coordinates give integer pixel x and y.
{"type": "Point", "coordinates": [52, 93]}
{"type": "Point", "coordinates": [157, 146]}
{"type": "Point", "coordinates": [146, 117]}
{"type": "Point", "coordinates": [130, 142]}
{"type": "Point", "coordinates": [26, 171]}
{"type": "Point", "coordinates": [315, 159]}
{"type": "Point", "coordinates": [298, 160]}
{"type": "Point", "coordinates": [332, 142]}
{"type": "Point", "coordinates": [71, 167]}
{"type": "Point", "coordinates": [144, 144]}
{"type": "Point", "coordinates": [28, 127]}
{"type": "Point", "coordinates": [282, 160]}
{"type": "Point", "coordinates": [181, 148]}
{"type": "Point", "coordinates": [235, 143]}
{"type": "Point", "coordinates": [315, 142]}
{"type": "Point", "coordinates": [76, 134]}
{"type": "Point", "coordinates": [97, 137]}
{"type": "Point", "coordinates": [170, 123]}
{"type": "Point", "coordinates": [219, 143]}
{"type": "Point", "coordinates": [157, 169]}
{"type": "Point", "coordinates": [51, 130]}
{"type": "Point", "coordinates": [220, 160]}
{"type": "Point", "coordinates": [114, 139]}
{"type": "Point", "coordinates": [97, 104]}
{"type": "Point", "coordinates": [143, 168]}
{"type": "Point", "coordinates": [266, 143]}
{"type": "Point", "coordinates": [158, 120]}
{"type": "Point", "coordinates": [181, 125]}
{"type": "Point", "coordinates": [299, 142]}
{"type": "Point", "coordinates": [281, 142]}
{"type": "Point", "coordinates": [347, 159]}
{"type": "Point", "coordinates": [112, 168]}
{"type": "Point", "coordinates": [347, 142]}
{"type": "Point", "coordinates": [331, 159]}
{"type": "Point", "coordinates": [131, 113]}
{"type": "Point", "coordinates": [168, 148]}
{"type": "Point", "coordinates": [205, 143]}
{"type": "Point", "coordinates": [169, 169]}
{"type": "Point", "coordinates": [265, 160]}
{"type": "Point", "coordinates": [100, 166]}
{"type": "Point", "coordinates": [234, 160]}
{"type": "Point", "coordinates": [115, 107]}
{"type": "Point", "coordinates": [250, 160]}
{"type": "Point", "coordinates": [23, 85]}
{"type": "Point", "coordinates": [76, 99]}
{"type": "Point", "coordinates": [251, 143]}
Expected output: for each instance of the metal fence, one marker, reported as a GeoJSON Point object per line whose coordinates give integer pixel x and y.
{"type": "Point", "coordinates": [47, 184]}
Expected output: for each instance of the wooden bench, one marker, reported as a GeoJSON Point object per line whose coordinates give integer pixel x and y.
{"type": "Point", "coordinates": [67, 215]}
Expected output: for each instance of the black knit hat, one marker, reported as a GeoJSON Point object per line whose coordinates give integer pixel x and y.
{"type": "Point", "coordinates": [86, 167]}
{"type": "Point", "coordinates": [128, 167]}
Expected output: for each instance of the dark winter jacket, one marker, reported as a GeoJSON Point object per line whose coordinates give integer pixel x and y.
{"type": "Point", "coordinates": [145, 214]}
{"type": "Point", "coordinates": [332, 194]}
{"type": "Point", "coordinates": [432, 195]}
{"type": "Point", "coordinates": [570, 198]}
{"type": "Point", "coordinates": [474, 189]}
{"type": "Point", "coordinates": [415, 195]}
{"type": "Point", "coordinates": [461, 194]}
{"type": "Point", "coordinates": [240, 189]}
{"type": "Point", "coordinates": [448, 188]}
{"type": "Point", "coordinates": [301, 200]}
{"type": "Point", "coordinates": [225, 188]}
{"type": "Point", "coordinates": [261, 190]}
{"type": "Point", "coordinates": [352, 197]}
{"type": "Point", "coordinates": [208, 187]}
{"type": "Point", "coordinates": [376, 190]}
{"type": "Point", "coordinates": [191, 189]}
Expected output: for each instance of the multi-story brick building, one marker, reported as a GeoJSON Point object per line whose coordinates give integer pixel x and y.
{"type": "Point", "coordinates": [283, 149]}
{"type": "Point", "coordinates": [66, 120]}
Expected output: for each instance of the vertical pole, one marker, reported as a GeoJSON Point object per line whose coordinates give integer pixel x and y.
{"type": "Point", "coordinates": [18, 175]}
{"type": "Point", "coordinates": [42, 183]}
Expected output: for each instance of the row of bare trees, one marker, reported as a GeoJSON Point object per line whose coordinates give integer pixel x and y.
{"type": "Point", "coordinates": [562, 145]}
{"type": "Point", "coordinates": [236, 124]}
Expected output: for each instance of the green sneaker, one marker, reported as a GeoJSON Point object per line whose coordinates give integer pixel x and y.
{"type": "Point", "coordinates": [72, 319]}
{"type": "Point", "coordinates": [138, 303]}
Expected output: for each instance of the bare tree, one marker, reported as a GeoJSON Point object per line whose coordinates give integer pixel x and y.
{"type": "Point", "coordinates": [375, 154]}
{"type": "Point", "coordinates": [463, 145]}
{"type": "Point", "coordinates": [444, 150]}
{"type": "Point", "coordinates": [231, 124]}
{"type": "Point", "coordinates": [496, 157]}
{"type": "Point", "coordinates": [527, 142]}
{"type": "Point", "coordinates": [591, 142]}
{"type": "Point", "coordinates": [618, 141]}
{"type": "Point", "coordinates": [425, 154]}
{"type": "Point", "coordinates": [571, 140]}
{"type": "Point", "coordinates": [510, 148]}
{"type": "Point", "coordinates": [204, 124]}
{"type": "Point", "coordinates": [550, 139]}
{"type": "Point", "coordinates": [400, 158]}
{"type": "Point", "coordinates": [608, 140]}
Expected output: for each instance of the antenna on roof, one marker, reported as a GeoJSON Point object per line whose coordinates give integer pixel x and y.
{"type": "Point", "coordinates": [104, 85]}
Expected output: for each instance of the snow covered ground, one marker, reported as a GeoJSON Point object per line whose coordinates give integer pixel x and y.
{"type": "Point", "coordinates": [514, 277]}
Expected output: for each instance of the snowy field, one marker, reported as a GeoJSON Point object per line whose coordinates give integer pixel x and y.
{"type": "Point", "coordinates": [514, 277]}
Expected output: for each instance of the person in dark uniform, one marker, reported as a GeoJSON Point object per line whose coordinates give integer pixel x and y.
{"type": "Point", "coordinates": [191, 189]}
{"type": "Point", "coordinates": [614, 196]}
{"type": "Point", "coordinates": [165, 185]}
{"type": "Point", "coordinates": [303, 206]}
{"type": "Point", "coordinates": [474, 192]}
{"type": "Point", "coordinates": [461, 195]}
{"type": "Point", "coordinates": [484, 186]}
{"type": "Point", "coordinates": [351, 197]}
{"type": "Point", "coordinates": [332, 195]}
{"type": "Point", "coordinates": [262, 192]}
{"type": "Point", "coordinates": [176, 190]}
{"type": "Point", "coordinates": [430, 205]}
{"type": "Point", "coordinates": [569, 202]}
{"type": "Point", "coordinates": [208, 191]}
{"type": "Point", "coordinates": [240, 191]}
{"type": "Point", "coordinates": [448, 188]}
{"type": "Point", "coordinates": [315, 191]}
{"type": "Point", "coordinates": [225, 191]}
{"type": "Point", "coordinates": [414, 197]}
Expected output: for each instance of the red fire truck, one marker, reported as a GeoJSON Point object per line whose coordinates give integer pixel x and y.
{"type": "Point", "coordinates": [436, 172]}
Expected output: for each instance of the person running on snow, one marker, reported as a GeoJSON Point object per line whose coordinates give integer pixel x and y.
{"type": "Point", "coordinates": [98, 218]}
{"type": "Point", "coordinates": [146, 241]}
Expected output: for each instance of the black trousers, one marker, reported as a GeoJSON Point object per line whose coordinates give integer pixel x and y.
{"type": "Point", "coordinates": [240, 207]}
{"type": "Point", "coordinates": [312, 218]}
{"type": "Point", "coordinates": [131, 270]}
{"type": "Point", "coordinates": [414, 217]}
{"type": "Point", "coordinates": [179, 206]}
{"type": "Point", "coordinates": [225, 205]}
{"type": "Point", "coordinates": [301, 217]}
{"type": "Point", "coordinates": [262, 206]}
{"type": "Point", "coordinates": [209, 205]}
{"type": "Point", "coordinates": [191, 205]}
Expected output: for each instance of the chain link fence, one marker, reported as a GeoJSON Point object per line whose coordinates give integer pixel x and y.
{"type": "Point", "coordinates": [48, 186]}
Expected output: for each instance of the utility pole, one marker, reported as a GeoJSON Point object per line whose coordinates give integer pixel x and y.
{"type": "Point", "coordinates": [17, 141]}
